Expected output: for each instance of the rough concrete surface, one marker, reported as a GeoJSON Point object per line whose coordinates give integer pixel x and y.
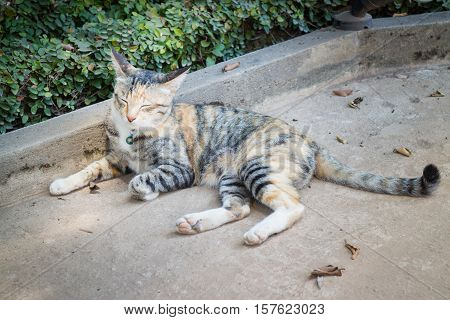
{"type": "Point", "coordinates": [107, 246]}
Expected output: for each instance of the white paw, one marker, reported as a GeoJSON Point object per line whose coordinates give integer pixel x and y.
{"type": "Point", "coordinates": [149, 196]}
{"type": "Point", "coordinates": [188, 225]}
{"type": "Point", "coordinates": [255, 237]}
{"type": "Point", "coordinates": [139, 190]}
{"type": "Point", "coordinates": [60, 187]}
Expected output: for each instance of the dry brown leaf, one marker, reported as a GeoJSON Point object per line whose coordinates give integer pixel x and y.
{"type": "Point", "coordinates": [342, 92]}
{"type": "Point", "coordinates": [67, 47]}
{"type": "Point", "coordinates": [354, 104]}
{"type": "Point", "coordinates": [437, 94]}
{"type": "Point", "coordinates": [354, 250]}
{"type": "Point", "coordinates": [400, 14]}
{"type": "Point", "coordinates": [231, 66]}
{"type": "Point", "coordinates": [327, 271]}
{"type": "Point", "coordinates": [341, 140]}
{"type": "Point", "coordinates": [403, 151]}
{"type": "Point", "coordinates": [91, 67]}
{"type": "Point", "coordinates": [20, 98]}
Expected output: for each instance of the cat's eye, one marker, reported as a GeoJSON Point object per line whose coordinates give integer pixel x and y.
{"type": "Point", "coordinates": [152, 107]}
{"type": "Point", "coordinates": [147, 107]}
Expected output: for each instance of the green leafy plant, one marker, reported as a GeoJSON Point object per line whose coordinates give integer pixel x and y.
{"type": "Point", "coordinates": [54, 55]}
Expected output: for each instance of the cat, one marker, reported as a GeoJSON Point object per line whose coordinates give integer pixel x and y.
{"type": "Point", "coordinates": [244, 154]}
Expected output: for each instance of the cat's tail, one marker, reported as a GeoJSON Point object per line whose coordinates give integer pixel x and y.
{"type": "Point", "coordinates": [330, 169]}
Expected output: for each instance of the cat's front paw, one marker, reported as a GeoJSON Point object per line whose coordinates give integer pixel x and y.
{"type": "Point", "coordinates": [60, 187]}
{"type": "Point", "coordinates": [140, 190]}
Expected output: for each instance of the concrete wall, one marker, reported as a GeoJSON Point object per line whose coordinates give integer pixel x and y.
{"type": "Point", "coordinates": [31, 157]}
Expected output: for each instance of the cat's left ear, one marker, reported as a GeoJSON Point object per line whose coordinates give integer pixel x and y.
{"type": "Point", "coordinates": [174, 79]}
{"type": "Point", "coordinates": [121, 65]}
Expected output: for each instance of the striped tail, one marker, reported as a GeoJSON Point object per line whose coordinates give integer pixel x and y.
{"type": "Point", "coordinates": [330, 169]}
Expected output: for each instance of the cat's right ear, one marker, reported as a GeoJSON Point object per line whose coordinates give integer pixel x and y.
{"type": "Point", "coordinates": [122, 67]}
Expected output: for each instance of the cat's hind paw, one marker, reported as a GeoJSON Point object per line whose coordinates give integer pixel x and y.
{"type": "Point", "coordinates": [60, 187]}
{"type": "Point", "coordinates": [187, 225]}
{"type": "Point", "coordinates": [254, 237]}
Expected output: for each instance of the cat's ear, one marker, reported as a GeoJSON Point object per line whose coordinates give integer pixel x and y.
{"type": "Point", "coordinates": [122, 67]}
{"type": "Point", "coordinates": [174, 79]}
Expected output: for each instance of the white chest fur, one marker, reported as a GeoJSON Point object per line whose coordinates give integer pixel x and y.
{"type": "Point", "coordinates": [123, 128]}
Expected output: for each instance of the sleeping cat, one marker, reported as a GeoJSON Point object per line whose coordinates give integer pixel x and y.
{"type": "Point", "coordinates": [244, 154]}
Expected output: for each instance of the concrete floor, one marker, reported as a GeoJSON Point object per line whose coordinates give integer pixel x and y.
{"type": "Point", "coordinates": [107, 246]}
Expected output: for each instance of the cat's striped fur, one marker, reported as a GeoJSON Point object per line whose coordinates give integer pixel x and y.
{"type": "Point", "coordinates": [244, 154]}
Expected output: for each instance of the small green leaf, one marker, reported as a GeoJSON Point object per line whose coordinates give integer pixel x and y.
{"type": "Point", "coordinates": [210, 61]}
{"type": "Point", "coordinates": [34, 108]}
{"type": "Point", "coordinates": [178, 32]}
{"type": "Point", "coordinates": [218, 50]}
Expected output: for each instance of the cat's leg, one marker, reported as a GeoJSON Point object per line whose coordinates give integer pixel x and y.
{"type": "Point", "coordinates": [167, 176]}
{"type": "Point", "coordinates": [275, 190]}
{"type": "Point", "coordinates": [235, 206]}
{"type": "Point", "coordinates": [103, 169]}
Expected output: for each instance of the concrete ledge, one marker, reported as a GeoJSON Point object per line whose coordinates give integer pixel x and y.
{"type": "Point", "coordinates": [32, 157]}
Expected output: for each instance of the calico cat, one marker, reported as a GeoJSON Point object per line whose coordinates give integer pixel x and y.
{"type": "Point", "coordinates": [244, 154]}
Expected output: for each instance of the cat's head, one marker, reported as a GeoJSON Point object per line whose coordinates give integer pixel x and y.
{"type": "Point", "coordinates": [144, 97]}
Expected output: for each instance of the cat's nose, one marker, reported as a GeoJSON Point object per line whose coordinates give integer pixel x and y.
{"type": "Point", "coordinates": [131, 118]}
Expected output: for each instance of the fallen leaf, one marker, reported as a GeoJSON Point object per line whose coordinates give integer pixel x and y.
{"type": "Point", "coordinates": [231, 66]}
{"type": "Point", "coordinates": [68, 47]}
{"type": "Point", "coordinates": [87, 231]}
{"type": "Point", "coordinates": [93, 187]}
{"type": "Point", "coordinates": [437, 94]}
{"type": "Point", "coordinates": [400, 14]}
{"type": "Point", "coordinates": [342, 92]}
{"type": "Point", "coordinates": [341, 140]}
{"type": "Point", "coordinates": [327, 271]}
{"type": "Point", "coordinates": [403, 151]}
{"type": "Point", "coordinates": [354, 250]}
{"type": "Point", "coordinates": [354, 104]}
{"type": "Point", "coordinates": [91, 67]}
